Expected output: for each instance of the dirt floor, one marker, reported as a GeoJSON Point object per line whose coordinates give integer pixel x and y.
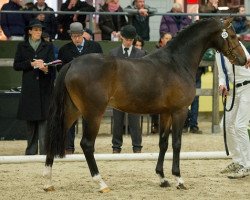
{"type": "Point", "coordinates": [127, 179]}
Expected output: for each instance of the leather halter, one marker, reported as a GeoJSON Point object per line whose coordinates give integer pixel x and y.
{"type": "Point", "coordinates": [229, 51]}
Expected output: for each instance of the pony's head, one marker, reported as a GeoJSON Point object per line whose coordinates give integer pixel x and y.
{"type": "Point", "coordinates": [229, 44]}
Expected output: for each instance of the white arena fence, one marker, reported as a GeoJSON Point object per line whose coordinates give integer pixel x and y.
{"type": "Point", "coordinates": [116, 157]}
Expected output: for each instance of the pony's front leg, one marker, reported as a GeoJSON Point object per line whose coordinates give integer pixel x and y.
{"type": "Point", "coordinates": [163, 145]}
{"type": "Point", "coordinates": [178, 122]}
{"type": "Point", "coordinates": [88, 150]}
{"type": "Point", "coordinates": [47, 174]}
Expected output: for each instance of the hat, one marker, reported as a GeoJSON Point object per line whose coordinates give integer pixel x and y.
{"type": "Point", "coordinates": [75, 27]}
{"type": "Point", "coordinates": [35, 23]}
{"type": "Point", "coordinates": [128, 32]}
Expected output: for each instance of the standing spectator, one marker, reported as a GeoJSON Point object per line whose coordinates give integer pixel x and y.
{"type": "Point", "coordinates": [37, 85]}
{"type": "Point", "coordinates": [48, 20]}
{"type": "Point", "coordinates": [174, 23]}
{"type": "Point", "coordinates": [77, 47]}
{"type": "Point", "coordinates": [236, 120]}
{"type": "Point", "coordinates": [126, 50]}
{"type": "Point", "coordinates": [164, 39]}
{"type": "Point", "coordinates": [64, 21]}
{"type": "Point", "coordinates": [241, 23]}
{"type": "Point", "coordinates": [139, 14]}
{"type": "Point", "coordinates": [110, 25]}
{"type": "Point", "coordinates": [192, 118]}
{"type": "Point", "coordinates": [13, 25]}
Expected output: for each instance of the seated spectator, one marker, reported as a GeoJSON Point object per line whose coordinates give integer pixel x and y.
{"type": "Point", "coordinates": [110, 25]}
{"type": "Point", "coordinates": [13, 25]}
{"type": "Point", "coordinates": [139, 14]}
{"type": "Point", "coordinates": [47, 38]}
{"type": "Point", "coordinates": [164, 38]}
{"type": "Point", "coordinates": [139, 43]}
{"type": "Point", "coordinates": [64, 21]}
{"type": "Point", "coordinates": [88, 34]}
{"type": "Point", "coordinates": [174, 23]}
{"type": "Point", "coordinates": [48, 20]}
{"type": "Point", "coordinates": [241, 23]}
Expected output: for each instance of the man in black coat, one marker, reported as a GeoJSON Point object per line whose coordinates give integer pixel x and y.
{"type": "Point", "coordinates": [127, 50]}
{"type": "Point", "coordinates": [77, 47]}
{"type": "Point", "coordinates": [37, 85]}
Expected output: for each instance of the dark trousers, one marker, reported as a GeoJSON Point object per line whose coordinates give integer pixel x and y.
{"type": "Point", "coordinates": [192, 118]}
{"type": "Point", "coordinates": [70, 143]}
{"type": "Point", "coordinates": [134, 129]}
{"type": "Point", "coordinates": [36, 134]}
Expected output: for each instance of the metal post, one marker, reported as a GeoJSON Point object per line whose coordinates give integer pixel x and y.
{"type": "Point", "coordinates": [215, 103]}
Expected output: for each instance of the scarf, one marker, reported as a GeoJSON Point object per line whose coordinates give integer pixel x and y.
{"type": "Point", "coordinates": [112, 7]}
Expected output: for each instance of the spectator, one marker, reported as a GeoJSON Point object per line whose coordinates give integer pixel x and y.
{"type": "Point", "coordinates": [13, 25]}
{"type": "Point", "coordinates": [236, 120]}
{"type": "Point", "coordinates": [241, 23]}
{"type": "Point", "coordinates": [47, 38]}
{"type": "Point", "coordinates": [64, 21]}
{"type": "Point", "coordinates": [210, 7]}
{"type": "Point", "coordinates": [139, 14]}
{"type": "Point", "coordinates": [126, 50]}
{"type": "Point", "coordinates": [139, 43]}
{"type": "Point", "coordinates": [88, 34]}
{"type": "Point", "coordinates": [77, 47]}
{"type": "Point", "coordinates": [191, 122]}
{"type": "Point", "coordinates": [37, 85]}
{"type": "Point", "coordinates": [48, 20]}
{"type": "Point", "coordinates": [164, 38]}
{"type": "Point", "coordinates": [110, 25]}
{"type": "Point", "coordinates": [174, 23]}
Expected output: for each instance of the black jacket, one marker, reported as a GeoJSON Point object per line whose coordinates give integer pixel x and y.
{"type": "Point", "coordinates": [107, 23]}
{"type": "Point", "coordinates": [64, 21]}
{"type": "Point", "coordinates": [69, 51]}
{"type": "Point", "coordinates": [36, 85]}
{"type": "Point", "coordinates": [135, 53]}
{"type": "Point", "coordinates": [50, 24]}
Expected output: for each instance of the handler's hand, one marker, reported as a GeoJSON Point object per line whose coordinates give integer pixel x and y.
{"type": "Point", "coordinates": [223, 90]}
{"type": "Point", "coordinates": [247, 63]}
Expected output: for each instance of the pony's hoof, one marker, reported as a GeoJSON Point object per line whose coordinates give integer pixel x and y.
{"type": "Point", "coordinates": [165, 184]}
{"type": "Point", "coordinates": [105, 190]}
{"type": "Point", "coordinates": [181, 187]}
{"type": "Point", "coordinates": [49, 189]}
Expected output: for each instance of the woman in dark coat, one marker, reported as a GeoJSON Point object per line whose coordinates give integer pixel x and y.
{"type": "Point", "coordinates": [37, 85]}
{"type": "Point", "coordinates": [111, 24]}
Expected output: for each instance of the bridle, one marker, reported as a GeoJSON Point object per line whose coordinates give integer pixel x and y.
{"type": "Point", "coordinates": [229, 52]}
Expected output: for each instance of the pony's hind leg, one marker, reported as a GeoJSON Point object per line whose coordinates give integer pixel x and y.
{"type": "Point", "coordinates": [163, 145]}
{"type": "Point", "coordinates": [56, 139]}
{"type": "Point", "coordinates": [178, 122]}
{"type": "Point", "coordinates": [91, 129]}
{"type": "Point", "coordinates": [47, 174]}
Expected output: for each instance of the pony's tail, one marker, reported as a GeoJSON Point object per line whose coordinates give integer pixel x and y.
{"type": "Point", "coordinates": [55, 138]}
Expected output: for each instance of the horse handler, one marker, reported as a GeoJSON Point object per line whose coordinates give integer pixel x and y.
{"type": "Point", "coordinates": [238, 118]}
